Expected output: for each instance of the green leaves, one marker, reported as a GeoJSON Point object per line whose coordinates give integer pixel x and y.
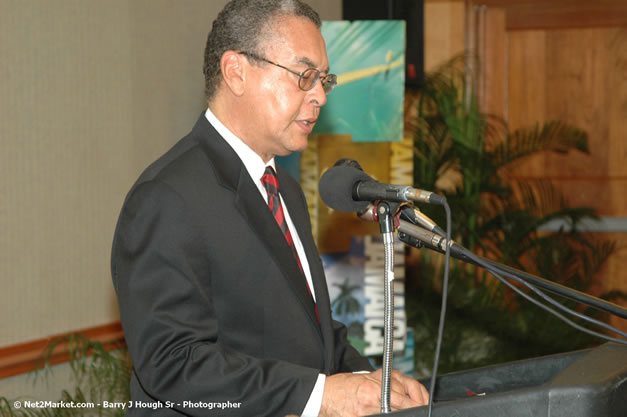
{"type": "Point", "coordinates": [465, 155]}
{"type": "Point", "coordinates": [553, 136]}
{"type": "Point", "coordinates": [100, 372]}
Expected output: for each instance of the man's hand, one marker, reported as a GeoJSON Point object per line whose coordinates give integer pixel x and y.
{"type": "Point", "coordinates": [352, 395]}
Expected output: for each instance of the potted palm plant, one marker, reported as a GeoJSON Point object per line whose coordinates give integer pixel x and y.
{"type": "Point", "coordinates": [467, 156]}
{"type": "Point", "coordinates": [100, 373]}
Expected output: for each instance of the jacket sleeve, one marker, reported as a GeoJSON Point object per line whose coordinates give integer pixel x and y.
{"type": "Point", "coordinates": [170, 323]}
{"type": "Point", "coordinates": [349, 359]}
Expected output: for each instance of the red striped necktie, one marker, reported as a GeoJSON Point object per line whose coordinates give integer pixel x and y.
{"type": "Point", "coordinates": [271, 183]}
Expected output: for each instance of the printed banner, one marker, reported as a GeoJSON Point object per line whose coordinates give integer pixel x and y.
{"type": "Point", "coordinates": [355, 281]}
{"type": "Point", "coordinates": [369, 58]}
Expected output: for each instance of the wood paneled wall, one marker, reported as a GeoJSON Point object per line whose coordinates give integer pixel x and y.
{"type": "Point", "coordinates": [444, 31]}
{"type": "Point", "coordinates": [564, 60]}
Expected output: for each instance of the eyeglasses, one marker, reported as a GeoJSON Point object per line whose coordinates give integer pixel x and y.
{"type": "Point", "coordinates": [306, 79]}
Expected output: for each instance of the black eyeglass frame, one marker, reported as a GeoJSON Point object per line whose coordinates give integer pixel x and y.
{"type": "Point", "coordinates": [328, 81]}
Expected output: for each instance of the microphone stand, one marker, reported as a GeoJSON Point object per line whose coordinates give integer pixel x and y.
{"type": "Point", "coordinates": [386, 225]}
{"type": "Point", "coordinates": [418, 237]}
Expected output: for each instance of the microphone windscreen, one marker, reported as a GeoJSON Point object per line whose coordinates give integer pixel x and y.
{"type": "Point", "coordinates": [347, 162]}
{"type": "Point", "coordinates": [336, 188]}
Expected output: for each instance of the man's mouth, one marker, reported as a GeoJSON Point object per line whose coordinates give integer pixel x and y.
{"type": "Point", "coordinates": [307, 125]}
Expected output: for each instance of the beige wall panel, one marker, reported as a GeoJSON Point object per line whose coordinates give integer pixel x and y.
{"type": "Point", "coordinates": [65, 122]}
{"type": "Point", "coordinates": [443, 31]}
{"type": "Point", "coordinates": [327, 9]}
{"type": "Point", "coordinates": [39, 386]}
{"type": "Point", "coordinates": [168, 40]}
{"type": "Point", "coordinates": [91, 92]}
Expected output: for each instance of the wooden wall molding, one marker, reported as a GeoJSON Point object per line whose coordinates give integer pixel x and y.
{"type": "Point", "coordinates": [27, 357]}
{"type": "Point", "coordinates": [559, 14]}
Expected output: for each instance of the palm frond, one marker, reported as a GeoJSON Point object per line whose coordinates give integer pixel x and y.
{"type": "Point", "coordinates": [538, 195]}
{"type": "Point", "coordinates": [465, 155]}
{"type": "Point", "coordinates": [553, 136]}
{"type": "Point", "coordinates": [100, 372]}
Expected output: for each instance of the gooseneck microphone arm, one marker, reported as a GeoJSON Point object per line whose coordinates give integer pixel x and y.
{"type": "Point", "coordinates": [386, 225]}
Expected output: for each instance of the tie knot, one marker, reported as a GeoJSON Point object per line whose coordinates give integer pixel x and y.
{"type": "Point", "coordinates": [270, 181]}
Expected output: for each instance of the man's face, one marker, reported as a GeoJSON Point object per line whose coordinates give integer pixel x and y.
{"type": "Point", "coordinates": [280, 114]}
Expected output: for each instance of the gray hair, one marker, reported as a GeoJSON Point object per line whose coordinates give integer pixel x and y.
{"type": "Point", "coordinates": [241, 26]}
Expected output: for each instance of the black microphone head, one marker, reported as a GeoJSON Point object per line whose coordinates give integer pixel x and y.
{"type": "Point", "coordinates": [336, 187]}
{"type": "Point", "coordinates": [348, 162]}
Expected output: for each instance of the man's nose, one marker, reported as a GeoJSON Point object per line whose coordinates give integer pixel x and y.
{"type": "Point", "coordinates": [317, 94]}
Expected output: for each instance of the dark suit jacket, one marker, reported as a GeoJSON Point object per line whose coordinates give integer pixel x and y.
{"type": "Point", "coordinates": [212, 302]}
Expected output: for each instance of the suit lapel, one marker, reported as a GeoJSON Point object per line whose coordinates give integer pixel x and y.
{"type": "Point", "coordinates": [252, 206]}
{"type": "Point", "coordinates": [232, 174]}
{"type": "Point", "coordinates": [294, 201]}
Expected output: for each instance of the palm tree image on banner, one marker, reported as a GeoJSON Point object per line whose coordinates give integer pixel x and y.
{"type": "Point", "coordinates": [345, 304]}
{"type": "Point", "coordinates": [355, 281]}
{"type": "Point", "coordinates": [369, 59]}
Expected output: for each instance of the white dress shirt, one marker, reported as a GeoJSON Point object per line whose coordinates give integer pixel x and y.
{"type": "Point", "coordinates": [256, 166]}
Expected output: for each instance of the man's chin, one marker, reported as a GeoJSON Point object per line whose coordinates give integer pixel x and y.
{"type": "Point", "coordinates": [296, 146]}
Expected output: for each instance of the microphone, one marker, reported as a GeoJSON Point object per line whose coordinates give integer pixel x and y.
{"type": "Point", "coordinates": [408, 214]}
{"type": "Point", "coordinates": [344, 187]}
{"type": "Point", "coordinates": [417, 217]}
{"type": "Point", "coordinates": [430, 240]}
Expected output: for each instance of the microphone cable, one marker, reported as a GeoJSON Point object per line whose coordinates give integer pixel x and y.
{"type": "Point", "coordinates": [497, 274]}
{"type": "Point", "coordinates": [467, 256]}
{"type": "Point", "coordinates": [438, 344]}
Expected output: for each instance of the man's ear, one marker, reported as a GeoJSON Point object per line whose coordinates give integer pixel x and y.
{"type": "Point", "coordinates": [234, 66]}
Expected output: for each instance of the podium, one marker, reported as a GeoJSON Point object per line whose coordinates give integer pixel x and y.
{"type": "Point", "coordinates": [586, 383]}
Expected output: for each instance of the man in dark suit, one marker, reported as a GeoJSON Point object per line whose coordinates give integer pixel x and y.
{"type": "Point", "coordinates": [221, 290]}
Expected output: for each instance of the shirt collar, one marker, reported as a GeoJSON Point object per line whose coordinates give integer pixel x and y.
{"type": "Point", "coordinates": [251, 160]}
